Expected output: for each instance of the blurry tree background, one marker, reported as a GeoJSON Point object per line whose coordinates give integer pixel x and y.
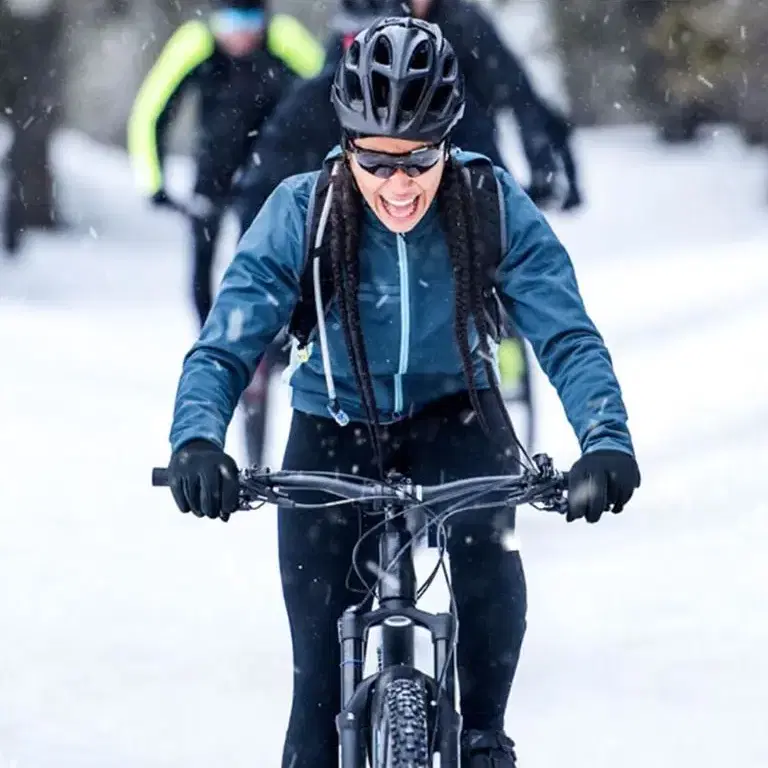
{"type": "Point", "coordinates": [672, 62]}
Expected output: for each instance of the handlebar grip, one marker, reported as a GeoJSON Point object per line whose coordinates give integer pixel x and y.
{"type": "Point", "coordinates": [160, 476]}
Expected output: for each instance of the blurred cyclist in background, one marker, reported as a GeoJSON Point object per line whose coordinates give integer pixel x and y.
{"type": "Point", "coordinates": [241, 60]}
{"type": "Point", "coordinates": [304, 128]}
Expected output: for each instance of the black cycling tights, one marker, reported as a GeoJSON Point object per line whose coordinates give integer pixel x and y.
{"type": "Point", "coordinates": [443, 442]}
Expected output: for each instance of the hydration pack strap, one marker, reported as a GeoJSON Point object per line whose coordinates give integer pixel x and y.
{"type": "Point", "coordinates": [491, 214]}
{"type": "Point", "coordinates": [303, 321]}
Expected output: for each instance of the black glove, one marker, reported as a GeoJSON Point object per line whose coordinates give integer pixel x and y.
{"type": "Point", "coordinates": [204, 479]}
{"type": "Point", "coordinates": [601, 480]}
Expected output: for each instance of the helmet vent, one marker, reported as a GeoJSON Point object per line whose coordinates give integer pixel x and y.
{"type": "Point", "coordinates": [353, 55]}
{"type": "Point", "coordinates": [380, 90]}
{"type": "Point", "coordinates": [354, 88]}
{"type": "Point", "coordinates": [382, 51]}
{"type": "Point", "coordinates": [421, 58]}
{"type": "Point", "coordinates": [450, 68]}
{"type": "Point", "coordinates": [440, 99]}
{"type": "Point", "coordinates": [412, 95]}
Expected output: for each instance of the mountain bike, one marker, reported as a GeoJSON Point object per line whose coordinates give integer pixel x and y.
{"type": "Point", "coordinates": [400, 716]}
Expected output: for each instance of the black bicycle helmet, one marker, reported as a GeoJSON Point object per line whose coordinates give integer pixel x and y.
{"type": "Point", "coordinates": [399, 78]}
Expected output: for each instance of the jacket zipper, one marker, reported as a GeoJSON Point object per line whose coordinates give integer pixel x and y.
{"type": "Point", "coordinates": [405, 322]}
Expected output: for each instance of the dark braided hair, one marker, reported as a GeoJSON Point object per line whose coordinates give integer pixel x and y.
{"type": "Point", "coordinates": [460, 223]}
{"type": "Point", "coordinates": [458, 214]}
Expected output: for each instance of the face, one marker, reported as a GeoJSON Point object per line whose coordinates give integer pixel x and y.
{"type": "Point", "coordinates": [420, 8]}
{"type": "Point", "coordinates": [238, 45]}
{"type": "Point", "coordinates": [399, 201]}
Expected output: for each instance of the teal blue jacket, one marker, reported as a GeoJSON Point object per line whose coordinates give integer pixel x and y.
{"type": "Point", "coordinates": [407, 317]}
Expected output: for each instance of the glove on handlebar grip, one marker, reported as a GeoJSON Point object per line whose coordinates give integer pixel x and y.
{"type": "Point", "coordinates": [160, 476]}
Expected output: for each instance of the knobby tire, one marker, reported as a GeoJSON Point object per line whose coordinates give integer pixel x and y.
{"type": "Point", "coordinates": [402, 740]}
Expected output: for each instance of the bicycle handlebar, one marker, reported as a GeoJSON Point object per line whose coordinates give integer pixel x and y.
{"type": "Point", "coordinates": [257, 485]}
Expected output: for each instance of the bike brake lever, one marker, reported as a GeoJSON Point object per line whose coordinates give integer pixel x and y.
{"type": "Point", "coordinates": [253, 485]}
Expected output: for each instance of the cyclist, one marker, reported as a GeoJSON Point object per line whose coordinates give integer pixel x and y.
{"type": "Point", "coordinates": [241, 60]}
{"type": "Point", "coordinates": [304, 128]}
{"type": "Point", "coordinates": [401, 375]}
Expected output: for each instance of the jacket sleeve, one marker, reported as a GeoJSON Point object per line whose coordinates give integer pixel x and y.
{"type": "Point", "coordinates": [255, 300]}
{"type": "Point", "coordinates": [539, 289]}
{"type": "Point", "coordinates": [295, 46]}
{"type": "Point", "coordinates": [492, 71]}
{"type": "Point", "coordinates": [188, 47]}
{"type": "Point", "coordinates": [497, 80]}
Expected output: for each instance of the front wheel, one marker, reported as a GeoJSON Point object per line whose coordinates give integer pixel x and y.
{"type": "Point", "coordinates": [399, 726]}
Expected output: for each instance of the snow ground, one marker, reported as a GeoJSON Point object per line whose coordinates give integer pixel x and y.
{"type": "Point", "coordinates": [135, 636]}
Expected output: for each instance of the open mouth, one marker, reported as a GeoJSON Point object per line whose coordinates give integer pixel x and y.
{"type": "Point", "coordinates": [400, 209]}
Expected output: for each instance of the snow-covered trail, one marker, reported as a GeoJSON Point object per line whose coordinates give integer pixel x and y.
{"type": "Point", "coordinates": [132, 635]}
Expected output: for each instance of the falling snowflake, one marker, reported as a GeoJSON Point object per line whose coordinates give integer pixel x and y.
{"type": "Point", "coordinates": [235, 323]}
{"type": "Point", "coordinates": [510, 541]}
{"type": "Point", "coordinates": [389, 579]}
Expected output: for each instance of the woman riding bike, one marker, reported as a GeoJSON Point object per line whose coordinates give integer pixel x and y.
{"type": "Point", "coordinates": [401, 375]}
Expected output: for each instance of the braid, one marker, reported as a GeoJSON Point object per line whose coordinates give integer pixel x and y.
{"type": "Point", "coordinates": [460, 222]}
{"type": "Point", "coordinates": [346, 213]}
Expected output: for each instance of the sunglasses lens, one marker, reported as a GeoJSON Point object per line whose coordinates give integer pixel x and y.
{"type": "Point", "coordinates": [383, 171]}
{"type": "Point", "coordinates": [383, 165]}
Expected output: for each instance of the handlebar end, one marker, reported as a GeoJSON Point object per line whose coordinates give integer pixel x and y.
{"type": "Point", "coordinates": [160, 476]}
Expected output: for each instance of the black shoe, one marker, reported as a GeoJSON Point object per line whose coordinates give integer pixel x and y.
{"type": "Point", "coordinates": [487, 749]}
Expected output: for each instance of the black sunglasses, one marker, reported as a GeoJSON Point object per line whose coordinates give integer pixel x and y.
{"type": "Point", "coordinates": [412, 164]}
